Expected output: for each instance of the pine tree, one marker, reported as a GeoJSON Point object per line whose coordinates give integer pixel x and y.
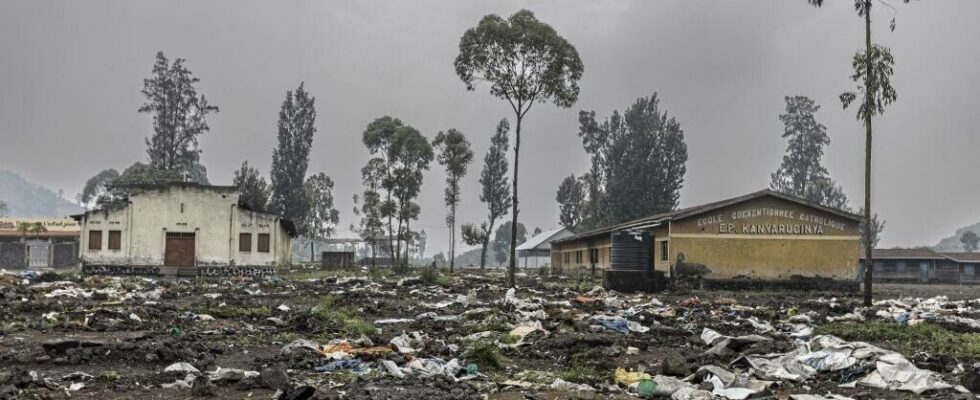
{"type": "Point", "coordinates": [801, 167]}
{"type": "Point", "coordinates": [291, 156]}
{"type": "Point", "coordinates": [179, 118]}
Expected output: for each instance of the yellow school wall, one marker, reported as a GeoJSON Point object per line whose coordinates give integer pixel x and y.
{"type": "Point", "coordinates": [704, 240]}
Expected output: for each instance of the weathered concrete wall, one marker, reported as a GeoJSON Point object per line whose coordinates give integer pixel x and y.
{"type": "Point", "coordinates": [13, 255]}
{"type": "Point", "coordinates": [64, 254]}
{"type": "Point", "coordinates": [767, 238]}
{"type": "Point", "coordinates": [211, 214]}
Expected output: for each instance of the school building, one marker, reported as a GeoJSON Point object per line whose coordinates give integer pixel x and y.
{"type": "Point", "coordinates": [759, 239]}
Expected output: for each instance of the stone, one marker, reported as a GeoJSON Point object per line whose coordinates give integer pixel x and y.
{"type": "Point", "coordinates": [202, 387]}
{"type": "Point", "coordinates": [971, 381]}
{"type": "Point", "coordinates": [674, 365]}
{"type": "Point", "coordinates": [299, 393]}
{"type": "Point", "coordinates": [275, 378]}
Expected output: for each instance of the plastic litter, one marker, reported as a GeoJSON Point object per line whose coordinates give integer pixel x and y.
{"type": "Point", "coordinates": [646, 388]}
{"type": "Point", "coordinates": [182, 367]}
{"type": "Point", "coordinates": [622, 377]}
{"type": "Point", "coordinates": [354, 365]}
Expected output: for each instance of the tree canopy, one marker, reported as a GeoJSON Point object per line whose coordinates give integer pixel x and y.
{"type": "Point", "coordinates": [291, 157]}
{"type": "Point", "coordinates": [252, 188]}
{"type": "Point", "coordinates": [179, 118]}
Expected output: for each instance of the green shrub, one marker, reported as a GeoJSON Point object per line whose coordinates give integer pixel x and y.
{"type": "Point", "coordinates": [346, 318]}
{"type": "Point", "coordinates": [485, 355]}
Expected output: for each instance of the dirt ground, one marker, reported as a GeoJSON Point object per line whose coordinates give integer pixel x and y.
{"type": "Point", "coordinates": [324, 335]}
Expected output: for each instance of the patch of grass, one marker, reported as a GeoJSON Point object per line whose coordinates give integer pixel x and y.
{"type": "Point", "coordinates": [510, 339]}
{"type": "Point", "coordinates": [347, 318]}
{"type": "Point", "coordinates": [485, 355]}
{"type": "Point", "coordinates": [110, 376]}
{"type": "Point", "coordinates": [926, 337]}
{"type": "Point", "coordinates": [434, 276]}
{"type": "Point", "coordinates": [581, 373]}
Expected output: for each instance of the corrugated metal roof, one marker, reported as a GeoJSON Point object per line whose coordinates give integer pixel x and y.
{"type": "Point", "coordinates": [657, 219]}
{"type": "Point", "coordinates": [544, 238]}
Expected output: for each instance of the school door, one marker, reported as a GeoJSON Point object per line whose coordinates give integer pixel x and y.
{"type": "Point", "coordinates": [179, 251]}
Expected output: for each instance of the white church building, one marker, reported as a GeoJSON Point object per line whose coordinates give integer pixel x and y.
{"type": "Point", "coordinates": [182, 226]}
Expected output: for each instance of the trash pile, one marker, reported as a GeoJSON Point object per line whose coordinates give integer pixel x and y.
{"type": "Point", "coordinates": [351, 335]}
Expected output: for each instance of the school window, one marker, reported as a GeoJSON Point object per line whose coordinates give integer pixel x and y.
{"type": "Point", "coordinates": [245, 242]}
{"type": "Point", "coordinates": [115, 240]}
{"type": "Point", "coordinates": [263, 245]}
{"type": "Point", "coordinates": [900, 266]}
{"type": "Point", "coordinates": [878, 266]}
{"type": "Point", "coordinates": [95, 240]}
{"type": "Point", "coordinates": [578, 257]}
{"type": "Point", "coordinates": [593, 256]}
{"type": "Point", "coordinates": [663, 250]}
{"type": "Point", "coordinates": [969, 269]}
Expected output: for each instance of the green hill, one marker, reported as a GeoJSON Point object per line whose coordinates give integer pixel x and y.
{"type": "Point", "coordinates": [26, 199]}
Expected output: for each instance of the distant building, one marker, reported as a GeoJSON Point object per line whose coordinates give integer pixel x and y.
{"type": "Point", "coordinates": [759, 239]}
{"type": "Point", "coordinates": [536, 251]}
{"type": "Point", "coordinates": [181, 226]}
{"type": "Point", "coordinates": [922, 265]}
{"type": "Point", "coordinates": [54, 245]}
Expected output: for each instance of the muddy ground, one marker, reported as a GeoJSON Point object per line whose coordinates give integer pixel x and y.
{"type": "Point", "coordinates": [66, 336]}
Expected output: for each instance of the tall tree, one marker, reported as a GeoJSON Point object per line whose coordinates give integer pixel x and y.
{"type": "Point", "coordinates": [970, 241]}
{"type": "Point", "coordinates": [639, 161]}
{"type": "Point", "coordinates": [253, 190]}
{"type": "Point", "coordinates": [495, 191]}
{"type": "Point", "coordinates": [371, 227]}
{"type": "Point", "coordinates": [179, 118]}
{"type": "Point", "coordinates": [455, 155]}
{"type": "Point", "coordinates": [525, 61]}
{"type": "Point", "coordinates": [413, 153]}
{"type": "Point", "coordinates": [502, 239]}
{"type": "Point", "coordinates": [571, 201]}
{"type": "Point", "coordinates": [377, 137]}
{"type": "Point", "coordinates": [807, 138]}
{"type": "Point", "coordinates": [291, 157]}
{"type": "Point", "coordinates": [97, 187]}
{"type": "Point", "coordinates": [873, 68]}
{"type": "Point", "coordinates": [321, 219]}
{"type": "Point", "coordinates": [872, 236]}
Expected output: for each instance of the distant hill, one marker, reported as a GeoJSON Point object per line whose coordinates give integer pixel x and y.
{"type": "Point", "coordinates": [26, 199]}
{"type": "Point", "coordinates": [953, 243]}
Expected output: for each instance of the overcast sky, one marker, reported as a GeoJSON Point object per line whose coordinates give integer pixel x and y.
{"type": "Point", "coordinates": [71, 73]}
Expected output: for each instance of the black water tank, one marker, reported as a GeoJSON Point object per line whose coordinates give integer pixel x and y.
{"type": "Point", "coordinates": [631, 251]}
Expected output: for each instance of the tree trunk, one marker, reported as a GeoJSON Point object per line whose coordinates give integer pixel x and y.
{"type": "Point", "coordinates": [868, 258]}
{"type": "Point", "coordinates": [391, 243]}
{"type": "Point", "coordinates": [486, 242]}
{"type": "Point", "coordinates": [452, 237]}
{"type": "Point", "coordinates": [513, 227]}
